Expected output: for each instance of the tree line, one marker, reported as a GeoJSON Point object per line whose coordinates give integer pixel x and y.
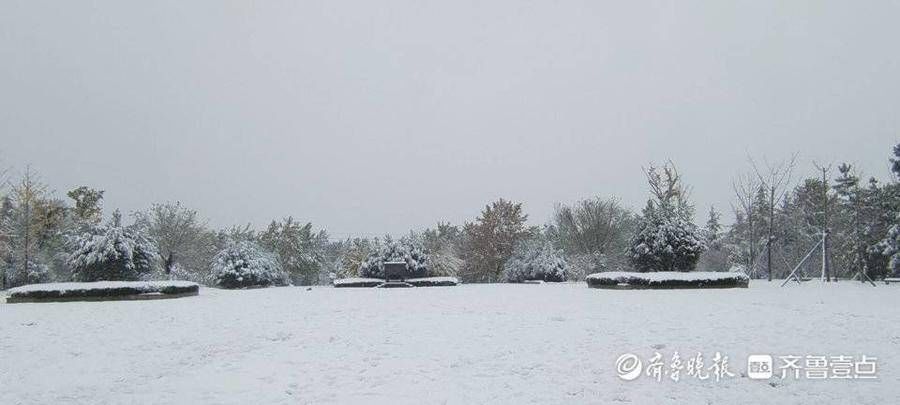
{"type": "Point", "coordinates": [44, 238]}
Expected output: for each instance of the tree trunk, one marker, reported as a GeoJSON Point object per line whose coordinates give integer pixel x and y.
{"type": "Point", "coordinates": [771, 232]}
{"type": "Point", "coordinates": [27, 229]}
{"type": "Point", "coordinates": [826, 263]}
{"type": "Point", "coordinates": [751, 260]}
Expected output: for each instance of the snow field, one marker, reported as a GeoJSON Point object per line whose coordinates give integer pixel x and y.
{"type": "Point", "coordinates": [498, 343]}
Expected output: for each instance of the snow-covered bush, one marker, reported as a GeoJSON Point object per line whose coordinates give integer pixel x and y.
{"type": "Point", "coordinates": [112, 252]}
{"type": "Point", "coordinates": [535, 259]}
{"type": "Point", "coordinates": [244, 264]}
{"type": "Point", "coordinates": [580, 265]}
{"type": "Point", "coordinates": [444, 262]}
{"type": "Point", "coordinates": [179, 272]}
{"type": "Point", "coordinates": [391, 251]}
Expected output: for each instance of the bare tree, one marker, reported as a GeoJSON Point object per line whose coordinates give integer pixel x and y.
{"type": "Point", "coordinates": [746, 187]}
{"type": "Point", "coordinates": [24, 226]}
{"type": "Point", "coordinates": [593, 233]}
{"type": "Point", "coordinates": [5, 208]}
{"type": "Point", "coordinates": [492, 238]}
{"type": "Point", "coordinates": [667, 187]}
{"type": "Point", "coordinates": [181, 236]}
{"type": "Point", "coordinates": [774, 180]}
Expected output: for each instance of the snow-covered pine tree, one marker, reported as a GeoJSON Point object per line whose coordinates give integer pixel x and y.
{"type": "Point", "coordinates": [890, 245]}
{"type": "Point", "coordinates": [351, 256]}
{"type": "Point", "coordinates": [88, 209]}
{"type": "Point", "coordinates": [851, 205]}
{"type": "Point", "coordinates": [881, 202]}
{"type": "Point", "coordinates": [713, 231]}
{"type": "Point", "coordinates": [716, 256]}
{"type": "Point", "coordinates": [404, 250]}
{"type": "Point", "coordinates": [666, 237]}
{"type": "Point", "coordinates": [112, 252]}
{"type": "Point", "coordinates": [535, 259]}
{"type": "Point", "coordinates": [245, 264]}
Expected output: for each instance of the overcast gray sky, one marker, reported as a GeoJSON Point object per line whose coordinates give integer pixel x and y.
{"type": "Point", "coordinates": [372, 117]}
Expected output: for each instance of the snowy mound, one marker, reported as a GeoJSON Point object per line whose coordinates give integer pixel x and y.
{"type": "Point", "coordinates": [417, 282]}
{"type": "Point", "coordinates": [667, 279]}
{"type": "Point", "coordinates": [101, 289]}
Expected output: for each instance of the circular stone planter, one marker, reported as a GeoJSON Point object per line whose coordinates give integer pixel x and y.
{"type": "Point", "coordinates": [412, 282]}
{"type": "Point", "coordinates": [666, 280]}
{"type": "Point", "coordinates": [102, 291]}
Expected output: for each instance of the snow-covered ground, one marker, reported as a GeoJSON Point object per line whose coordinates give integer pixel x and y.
{"type": "Point", "coordinates": [550, 343]}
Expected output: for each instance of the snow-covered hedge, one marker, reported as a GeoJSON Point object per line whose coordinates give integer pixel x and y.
{"type": "Point", "coordinates": [535, 260]}
{"type": "Point", "coordinates": [244, 264]}
{"type": "Point", "coordinates": [667, 279]}
{"type": "Point", "coordinates": [99, 289]}
{"type": "Point", "coordinates": [416, 282]}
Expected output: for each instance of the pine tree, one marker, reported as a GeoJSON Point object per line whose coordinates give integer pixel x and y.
{"type": "Point", "coordinates": [716, 256]}
{"type": "Point", "coordinates": [666, 238]}
{"type": "Point", "coordinates": [88, 208]}
{"type": "Point", "coordinates": [890, 245]}
{"type": "Point", "coordinates": [713, 229]}
{"type": "Point", "coordinates": [113, 252]}
{"type": "Point", "coordinates": [851, 206]}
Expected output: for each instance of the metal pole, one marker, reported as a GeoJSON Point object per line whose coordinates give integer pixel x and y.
{"type": "Point", "coordinates": [805, 258]}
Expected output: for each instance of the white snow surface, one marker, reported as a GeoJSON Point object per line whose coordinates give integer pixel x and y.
{"type": "Point", "coordinates": [440, 279]}
{"type": "Point", "coordinates": [355, 280]}
{"type": "Point", "coordinates": [667, 275]}
{"type": "Point", "coordinates": [494, 343]}
{"type": "Point", "coordinates": [99, 285]}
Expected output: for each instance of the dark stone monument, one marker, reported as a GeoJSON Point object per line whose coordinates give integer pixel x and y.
{"type": "Point", "coordinates": [396, 271]}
